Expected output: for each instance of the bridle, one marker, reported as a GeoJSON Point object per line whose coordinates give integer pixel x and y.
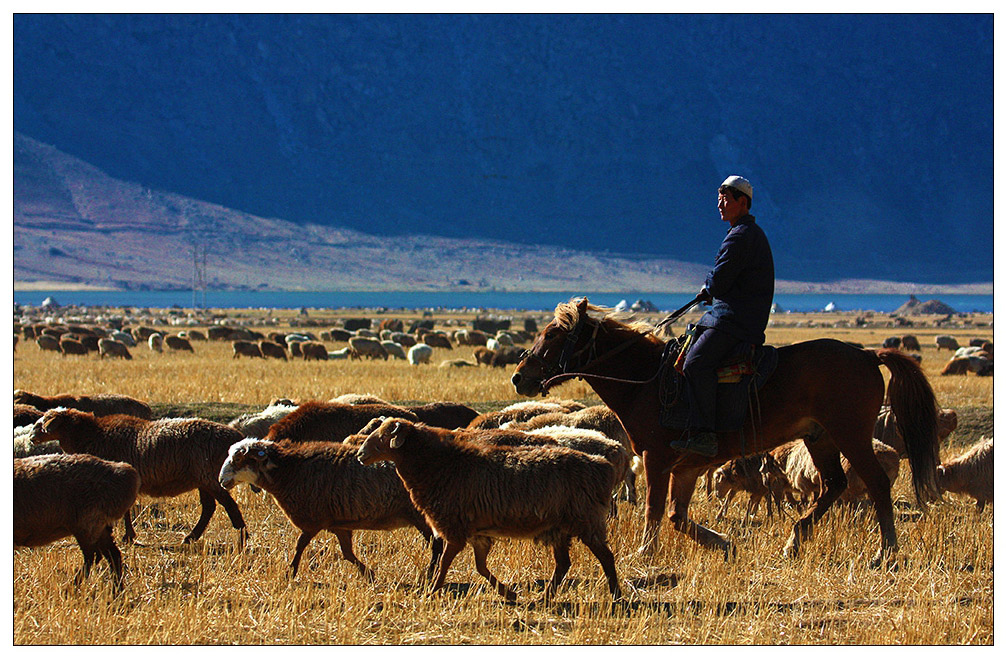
{"type": "Point", "coordinates": [552, 374]}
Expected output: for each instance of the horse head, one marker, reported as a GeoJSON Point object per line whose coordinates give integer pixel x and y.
{"type": "Point", "coordinates": [562, 339]}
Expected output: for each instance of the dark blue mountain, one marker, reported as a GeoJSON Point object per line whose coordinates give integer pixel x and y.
{"type": "Point", "coordinates": [868, 138]}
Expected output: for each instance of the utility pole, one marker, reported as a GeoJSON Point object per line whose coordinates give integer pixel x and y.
{"type": "Point", "coordinates": [198, 273]}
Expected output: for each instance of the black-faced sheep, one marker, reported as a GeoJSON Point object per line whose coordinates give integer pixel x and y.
{"type": "Point", "coordinates": [100, 405]}
{"type": "Point", "coordinates": [113, 349]}
{"type": "Point", "coordinates": [270, 349]}
{"type": "Point", "coordinates": [177, 343]}
{"type": "Point", "coordinates": [946, 342]}
{"type": "Point", "coordinates": [330, 421]}
{"type": "Point", "coordinates": [322, 486]}
{"type": "Point", "coordinates": [47, 343]}
{"type": "Point", "coordinates": [470, 491]}
{"type": "Point", "coordinates": [172, 456]}
{"type": "Point", "coordinates": [970, 473]}
{"type": "Point", "coordinates": [57, 496]}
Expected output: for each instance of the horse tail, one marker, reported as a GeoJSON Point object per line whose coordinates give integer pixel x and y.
{"type": "Point", "coordinates": [915, 409]}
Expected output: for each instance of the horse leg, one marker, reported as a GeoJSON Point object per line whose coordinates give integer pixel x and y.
{"type": "Point", "coordinates": [726, 503]}
{"type": "Point", "coordinates": [656, 501]}
{"type": "Point", "coordinates": [864, 461]}
{"type": "Point", "coordinates": [826, 459]}
{"type": "Point", "coordinates": [682, 486]}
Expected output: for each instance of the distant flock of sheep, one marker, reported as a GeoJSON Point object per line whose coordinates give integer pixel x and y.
{"type": "Point", "coordinates": [543, 470]}
{"type": "Point", "coordinates": [494, 343]}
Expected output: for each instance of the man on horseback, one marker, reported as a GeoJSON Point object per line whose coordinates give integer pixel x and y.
{"type": "Point", "coordinates": [740, 288]}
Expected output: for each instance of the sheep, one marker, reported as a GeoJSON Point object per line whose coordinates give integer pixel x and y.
{"type": "Point", "coordinates": [177, 343]}
{"type": "Point", "coordinates": [192, 334]}
{"type": "Point", "coordinates": [24, 442]}
{"type": "Point", "coordinates": [25, 414]}
{"type": "Point", "coordinates": [970, 473]}
{"type": "Point", "coordinates": [172, 456]}
{"type": "Point", "coordinates": [978, 364]}
{"type": "Point", "coordinates": [803, 476]}
{"type": "Point", "coordinates": [155, 342]}
{"type": "Point", "coordinates": [47, 343]}
{"type": "Point", "coordinates": [359, 398]}
{"type": "Point", "coordinates": [946, 342]}
{"type": "Point", "coordinates": [420, 353]}
{"type": "Point", "coordinates": [437, 339]}
{"type": "Point", "coordinates": [339, 355]}
{"type": "Point", "coordinates": [759, 475]}
{"type": "Point", "coordinates": [893, 342]}
{"type": "Point", "coordinates": [403, 339]}
{"type": "Point", "coordinates": [483, 355]}
{"type": "Point", "coordinates": [471, 337]}
{"type": "Point", "coordinates": [100, 405]}
{"type": "Point", "coordinates": [522, 411]}
{"type": "Point", "coordinates": [313, 351]}
{"type": "Point", "coordinates": [506, 356]}
{"type": "Point", "coordinates": [457, 363]}
{"type": "Point", "coordinates": [910, 343]}
{"type": "Point", "coordinates": [470, 491]}
{"type": "Point", "coordinates": [394, 349]}
{"type": "Point", "coordinates": [68, 345]}
{"type": "Point", "coordinates": [330, 421]}
{"type": "Point", "coordinates": [246, 348]}
{"type": "Point", "coordinates": [368, 347]}
{"type": "Point", "coordinates": [598, 417]}
{"type": "Point", "coordinates": [113, 348]}
{"type": "Point", "coordinates": [886, 429]}
{"type": "Point", "coordinates": [82, 496]}
{"type": "Point", "coordinates": [448, 415]}
{"type": "Point", "coordinates": [258, 424]}
{"type": "Point", "coordinates": [271, 349]}
{"type": "Point", "coordinates": [123, 337]}
{"type": "Point", "coordinates": [322, 486]}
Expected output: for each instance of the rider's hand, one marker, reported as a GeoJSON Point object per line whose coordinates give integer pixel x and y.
{"type": "Point", "coordinates": [705, 296]}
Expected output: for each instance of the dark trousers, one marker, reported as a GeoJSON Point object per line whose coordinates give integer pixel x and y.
{"type": "Point", "coordinates": [707, 353]}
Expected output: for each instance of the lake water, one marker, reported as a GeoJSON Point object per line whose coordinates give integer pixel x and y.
{"type": "Point", "coordinates": [532, 301]}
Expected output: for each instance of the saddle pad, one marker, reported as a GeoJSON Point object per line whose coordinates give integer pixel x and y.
{"type": "Point", "coordinates": [731, 396]}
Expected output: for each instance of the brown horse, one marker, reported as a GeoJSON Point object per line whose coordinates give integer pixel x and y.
{"type": "Point", "coordinates": [824, 391]}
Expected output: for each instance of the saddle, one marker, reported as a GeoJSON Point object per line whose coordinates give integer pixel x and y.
{"type": "Point", "coordinates": [740, 376]}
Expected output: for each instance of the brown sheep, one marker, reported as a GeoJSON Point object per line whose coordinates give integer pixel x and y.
{"type": "Point", "coordinates": [886, 428]}
{"type": "Point", "coordinates": [25, 414]}
{"type": "Point", "coordinates": [448, 415]}
{"type": "Point", "coordinates": [313, 351]}
{"type": "Point", "coordinates": [970, 473]}
{"type": "Point", "coordinates": [483, 355]}
{"type": "Point", "coordinates": [469, 491]}
{"type": "Point", "coordinates": [113, 348]}
{"type": "Point", "coordinates": [70, 346]}
{"type": "Point", "coordinates": [47, 343]}
{"type": "Point", "coordinates": [172, 456]}
{"type": "Point", "coordinates": [272, 349]}
{"type": "Point", "coordinates": [436, 339]}
{"type": "Point", "coordinates": [759, 475]}
{"type": "Point", "coordinates": [58, 496]}
{"type": "Point", "coordinates": [522, 411]}
{"type": "Point", "coordinates": [192, 334]}
{"type": "Point", "coordinates": [246, 348]}
{"type": "Point", "coordinates": [177, 343]}
{"type": "Point", "coordinates": [322, 486]}
{"type": "Point", "coordinates": [910, 343]}
{"type": "Point", "coordinates": [368, 347]}
{"type": "Point", "coordinates": [330, 421]}
{"type": "Point", "coordinates": [99, 405]}
{"type": "Point", "coordinates": [507, 355]}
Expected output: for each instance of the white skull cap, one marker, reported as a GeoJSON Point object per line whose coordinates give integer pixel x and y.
{"type": "Point", "coordinates": [740, 184]}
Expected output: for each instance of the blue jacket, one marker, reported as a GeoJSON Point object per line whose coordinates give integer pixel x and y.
{"type": "Point", "coordinates": [742, 283]}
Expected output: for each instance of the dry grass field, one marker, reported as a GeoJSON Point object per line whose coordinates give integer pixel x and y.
{"type": "Point", "coordinates": [210, 593]}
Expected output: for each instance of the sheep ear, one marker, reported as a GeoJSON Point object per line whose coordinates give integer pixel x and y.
{"type": "Point", "coordinates": [397, 436]}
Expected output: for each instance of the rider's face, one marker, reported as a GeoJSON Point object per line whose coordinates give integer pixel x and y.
{"type": "Point", "coordinates": [731, 209]}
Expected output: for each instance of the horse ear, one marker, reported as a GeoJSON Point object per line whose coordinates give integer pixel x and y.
{"type": "Point", "coordinates": [581, 307]}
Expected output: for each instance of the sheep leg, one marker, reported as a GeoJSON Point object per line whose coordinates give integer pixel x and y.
{"type": "Point", "coordinates": [481, 546]}
{"type": "Point", "coordinates": [346, 544]}
{"type": "Point", "coordinates": [209, 504]}
{"type": "Point", "coordinates": [436, 550]}
{"type": "Point", "coordinates": [127, 522]}
{"type": "Point", "coordinates": [88, 549]}
{"type": "Point", "coordinates": [597, 545]}
{"type": "Point", "coordinates": [825, 456]}
{"type": "Point", "coordinates": [234, 514]}
{"type": "Point", "coordinates": [752, 508]}
{"type": "Point", "coordinates": [878, 485]}
{"type": "Point", "coordinates": [560, 552]}
{"type": "Point", "coordinates": [656, 501]}
{"type": "Point", "coordinates": [108, 550]}
{"type": "Point", "coordinates": [451, 550]}
{"type": "Point", "coordinates": [630, 487]}
{"type": "Point", "coordinates": [302, 542]}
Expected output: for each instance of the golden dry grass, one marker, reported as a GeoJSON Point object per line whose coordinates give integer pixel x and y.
{"type": "Point", "coordinates": [210, 593]}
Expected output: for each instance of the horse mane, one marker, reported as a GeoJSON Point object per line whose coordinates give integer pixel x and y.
{"type": "Point", "coordinates": [566, 315]}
